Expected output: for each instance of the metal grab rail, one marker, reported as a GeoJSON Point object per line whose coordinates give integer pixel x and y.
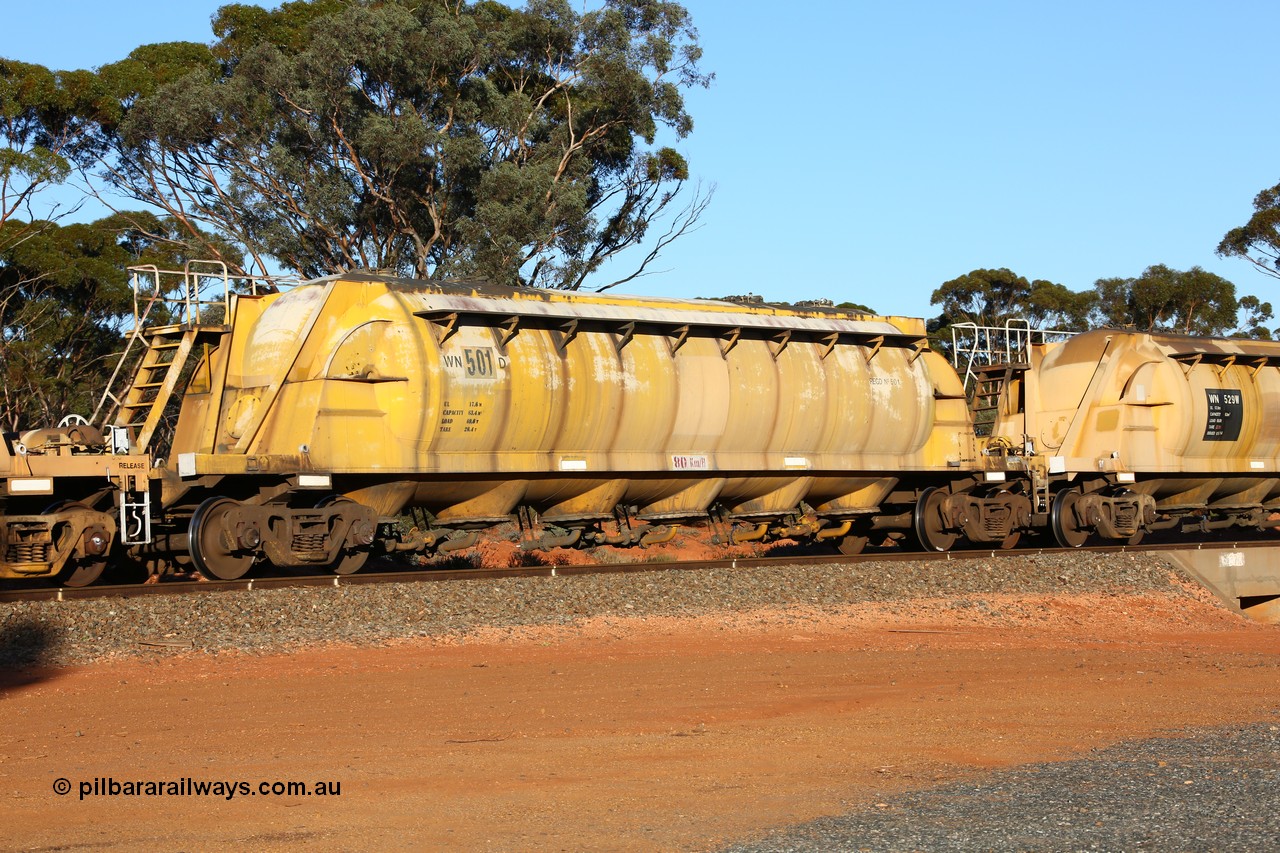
{"type": "Point", "coordinates": [189, 301]}
{"type": "Point", "coordinates": [974, 346]}
{"type": "Point", "coordinates": [190, 295]}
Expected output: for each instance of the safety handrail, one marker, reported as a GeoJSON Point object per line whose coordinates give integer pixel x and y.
{"type": "Point", "coordinates": [974, 346]}
{"type": "Point", "coordinates": [184, 292]}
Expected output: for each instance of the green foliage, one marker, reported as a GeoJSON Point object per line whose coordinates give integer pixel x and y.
{"type": "Point", "coordinates": [1255, 314]}
{"type": "Point", "coordinates": [1191, 302]}
{"type": "Point", "coordinates": [1258, 240]}
{"type": "Point", "coordinates": [64, 302]}
{"type": "Point", "coordinates": [430, 138]}
{"type": "Point", "coordinates": [994, 297]}
{"type": "Point", "coordinates": [427, 137]}
{"type": "Point", "coordinates": [48, 111]}
{"type": "Point", "coordinates": [991, 297]}
{"type": "Point", "coordinates": [45, 133]}
{"type": "Point", "coordinates": [856, 307]}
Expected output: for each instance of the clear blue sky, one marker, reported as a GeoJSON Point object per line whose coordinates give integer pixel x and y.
{"type": "Point", "coordinates": [869, 151]}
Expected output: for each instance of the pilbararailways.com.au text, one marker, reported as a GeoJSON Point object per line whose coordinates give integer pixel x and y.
{"type": "Point", "coordinates": [107, 786]}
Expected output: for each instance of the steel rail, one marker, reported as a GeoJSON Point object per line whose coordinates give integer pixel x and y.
{"type": "Point", "coordinates": [372, 575]}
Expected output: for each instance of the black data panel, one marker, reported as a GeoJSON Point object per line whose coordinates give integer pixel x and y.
{"type": "Point", "coordinates": [1226, 412]}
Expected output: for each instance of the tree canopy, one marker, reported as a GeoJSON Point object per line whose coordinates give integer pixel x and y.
{"type": "Point", "coordinates": [46, 131]}
{"type": "Point", "coordinates": [1190, 302]}
{"type": "Point", "coordinates": [1258, 240]}
{"type": "Point", "coordinates": [990, 297]}
{"type": "Point", "coordinates": [428, 138]}
{"type": "Point", "coordinates": [433, 138]}
{"type": "Point", "coordinates": [993, 297]}
{"type": "Point", "coordinates": [64, 293]}
{"type": "Point", "coordinates": [65, 300]}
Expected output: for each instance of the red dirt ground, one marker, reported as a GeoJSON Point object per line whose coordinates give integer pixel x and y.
{"type": "Point", "coordinates": [620, 734]}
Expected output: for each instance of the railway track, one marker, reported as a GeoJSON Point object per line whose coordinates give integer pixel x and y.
{"type": "Point", "coordinates": [374, 575]}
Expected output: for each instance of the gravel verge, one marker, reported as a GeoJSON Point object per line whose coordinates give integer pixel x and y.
{"type": "Point", "coordinates": [71, 632]}
{"type": "Point", "coordinates": [1208, 789]}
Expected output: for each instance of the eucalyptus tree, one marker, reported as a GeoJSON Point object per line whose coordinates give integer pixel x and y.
{"type": "Point", "coordinates": [994, 297]}
{"type": "Point", "coordinates": [65, 306]}
{"type": "Point", "coordinates": [427, 137]}
{"type": "Point", "coordinates": [1258, 240]}
{"type": "Point", "coordinates": [47, 120]}
{"type": "Point", "coordinates": [1188, 302]}
{"type": "Point", "coordinates": [990, 297]}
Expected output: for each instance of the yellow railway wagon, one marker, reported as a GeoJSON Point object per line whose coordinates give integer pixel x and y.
{"type": "Point", "coordinates": [65, 494]}
{"type": "Point", "coordinates": [1144, 432]}
{"type": "Point", "coordinates": [333, 406]}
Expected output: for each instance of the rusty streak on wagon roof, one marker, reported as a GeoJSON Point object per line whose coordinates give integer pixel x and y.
{"type": "Point", "coordinates": [467, 297]}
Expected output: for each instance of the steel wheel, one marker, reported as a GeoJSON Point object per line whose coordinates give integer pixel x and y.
{"type": "Point", "coordinates": [929, 525]}
{"type": "Point", "coordinates": [75, 572]}
{"type": "Point", "coordinates": [851, 545]}
{"type": "Point", "coordinates": [1062, 520]}
{"type": "Point", "coordinates": [81, 572]}
{"type": "Point", "coordinates": [351, 561]}
{"type": "Point", "coordinates": [211, 550]}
